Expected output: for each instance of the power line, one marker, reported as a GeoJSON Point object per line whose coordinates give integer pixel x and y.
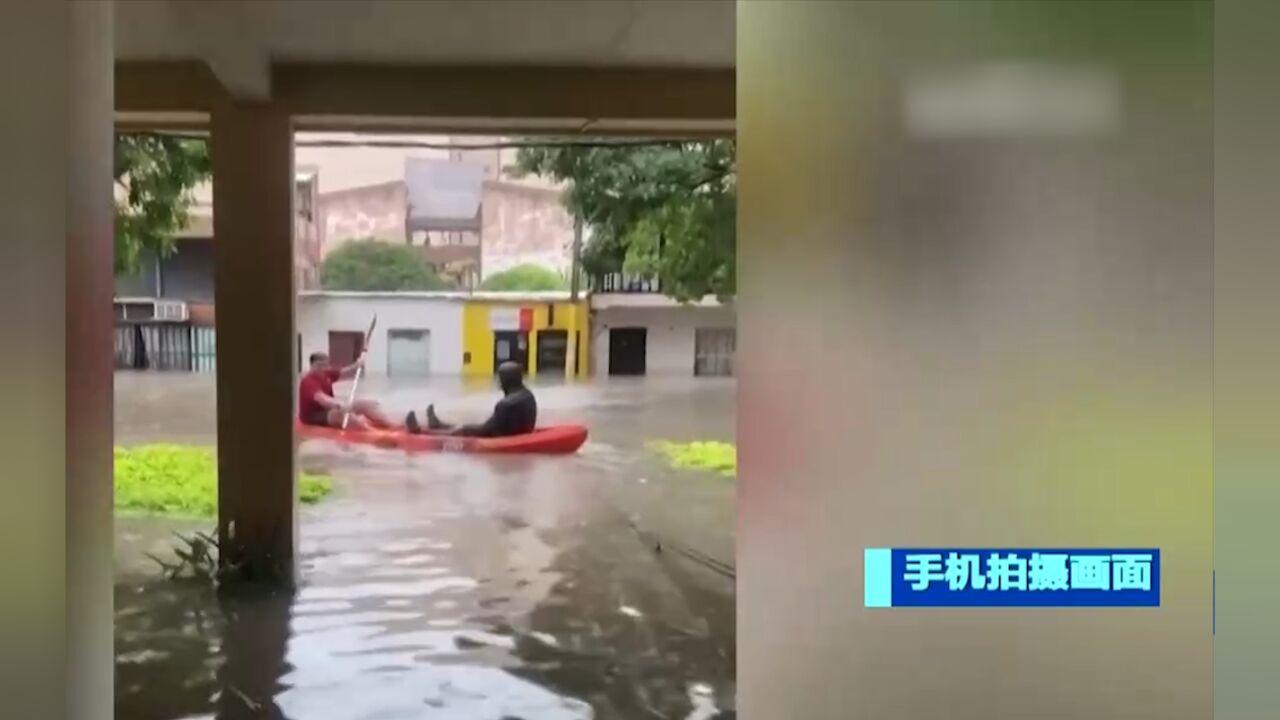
{"type": "Point", "coordinates": [464, 147]}
{"type": "Point", "coordinates": [516, 144]}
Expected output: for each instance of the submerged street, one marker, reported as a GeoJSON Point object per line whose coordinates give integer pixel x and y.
{"type": "Point", "coordinates": [598, 585]}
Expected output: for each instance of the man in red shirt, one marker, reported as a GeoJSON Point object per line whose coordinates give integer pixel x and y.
{"type": "Point", "coordinates": [317, 404]}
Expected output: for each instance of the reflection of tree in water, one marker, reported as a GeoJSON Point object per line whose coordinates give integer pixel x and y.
{"type": "Point", "coordinates": [623, 665]}
{"type": "Point", "coordinates": [168, 649]}
{"type": "Point", "coordinates": [257, 638]}
{"type": "Point", "coordinates": [181, 651]}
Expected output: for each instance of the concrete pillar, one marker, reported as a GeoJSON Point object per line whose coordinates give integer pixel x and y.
{"type": "Point", "coordinates": [252, 159]}
{"type": "Point", "coordinates": [55, 315]}
{"type": "Point", "coordinates": [90, 360]}
{"type": "Point", "coordinates": [571, 350]}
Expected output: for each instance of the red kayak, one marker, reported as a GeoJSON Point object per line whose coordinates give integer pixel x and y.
{"type": "Point", "coordinates": [549, 440]}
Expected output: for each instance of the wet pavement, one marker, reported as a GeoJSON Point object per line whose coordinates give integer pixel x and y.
{"type": "Point", "coordinates": [598, 585]}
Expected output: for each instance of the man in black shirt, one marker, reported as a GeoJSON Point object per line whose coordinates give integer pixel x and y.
{"type": "Point", "coordinates": [515, 414]}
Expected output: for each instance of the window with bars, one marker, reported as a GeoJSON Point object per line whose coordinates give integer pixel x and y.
{"type": "Point", "coordinates": [713, 351]}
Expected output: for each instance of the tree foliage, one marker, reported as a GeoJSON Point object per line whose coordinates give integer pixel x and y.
{"type": "Point", "coordinates": [526, 277]}
{"type": "Point", "coordinates": [665, 210]}
{"type": "Point", "coordinates": [376, 266]}
{"type": "Point", "coordinates": [155, 175]}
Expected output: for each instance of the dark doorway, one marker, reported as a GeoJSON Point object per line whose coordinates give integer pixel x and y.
{"type": "Point", "coordinates": [510, 345]}
{"type": "Point", "coordinates": [553, 351]}
{"type": "Point", "coordinates": [627, 350]}
{"type": "Point", "coordinates": [577, 353]}
{"type": "Point", "coordinates": [344, 347]}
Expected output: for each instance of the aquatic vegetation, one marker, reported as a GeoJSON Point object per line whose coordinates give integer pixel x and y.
{"type": "Point", "coordinates": [195, 556]}
{"type": "Point", "coordinates": [711, 455]}
{"type": "Point", "coordinates": [182, 480]}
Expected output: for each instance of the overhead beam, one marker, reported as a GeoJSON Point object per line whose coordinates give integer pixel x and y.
{"type": "Point", "coordinates": [514, 126]}
{"type": "Point", "coordinates": [168, 86]}
{"type": "Point", "coordinates": [446, 98]}
{"type": "Point", "coordinates": [242, 67]}
{"type": "Point", "coordinates": [506, 93]}
{"type": "Point", "coordinates": [188, 122]}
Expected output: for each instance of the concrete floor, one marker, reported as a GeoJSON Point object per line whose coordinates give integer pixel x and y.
{"type": "Point", "coordinates": [454, 586]}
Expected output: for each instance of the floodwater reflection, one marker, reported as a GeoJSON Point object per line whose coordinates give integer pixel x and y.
{"type": "Point", "coordinates": [446, 586]}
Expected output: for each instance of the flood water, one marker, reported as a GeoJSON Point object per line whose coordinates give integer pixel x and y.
{"type": "Point", "coordinates": [598, 585]}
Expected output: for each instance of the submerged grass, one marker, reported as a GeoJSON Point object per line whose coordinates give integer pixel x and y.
{"type": "Point", "coordinates": [182, 480]}
{"type": "Point", "coordinates": [711, 455]}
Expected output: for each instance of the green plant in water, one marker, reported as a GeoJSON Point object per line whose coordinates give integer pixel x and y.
{"type": "Point", "coordinates": [182, 480]}
{"type": "Point", "coordinates": [711, 455]}
{"type": "Point", "coordinates": [196, 555]}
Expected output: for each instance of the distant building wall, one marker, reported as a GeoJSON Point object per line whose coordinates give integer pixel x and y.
{"type": "Point", "coordinates": [461, 327]}
{"type": "Point", "coordinates": [373, 211]}
{"type": "Point", "coordinates": [345, 168]}
{"type": "Point", "coordinates": [185, 275]}
{"type": "Point", "coordinates": [523, 224]}
{"type": "Point", "coordinates": [188, 273]}
{"type": "Point", "coordinates": [318, 314]}
{"type": "Point", "coordinates": [202, 314]}
{"type": "Point", "coordinates": [480, 321]}
{"type": "Point", "coordinates": [670, 334]}
{"type": "Point", "coordinates": [519, 224]}
{"type": "Point", "coordinates": [308, 238]}
{"type": "Point", "coordinates": [143, 284]}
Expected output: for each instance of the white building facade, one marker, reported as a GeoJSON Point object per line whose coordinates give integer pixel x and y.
{"type": "Point", "coordinates": [651, 334]}
{"type": "Point", "coordinates": [418, 334]}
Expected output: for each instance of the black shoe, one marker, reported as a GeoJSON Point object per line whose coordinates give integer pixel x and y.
{"type": "Point", "coordinates": [433, 422]}
{"type": "Point", "coordinates": [411, 423]}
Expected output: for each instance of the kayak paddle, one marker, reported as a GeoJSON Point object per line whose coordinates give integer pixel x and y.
{"type": "Point", "coordinates": [368, 338]}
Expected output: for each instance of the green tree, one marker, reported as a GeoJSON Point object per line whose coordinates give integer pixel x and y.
{"type": "Point", "coordinates": [373, 265]}
{"type": "Point", "coordinates": [156, 175]}
{"type": "Point", "coordinates": [666, 210]}
{"type": "Point", "coordinates": [526, 277]}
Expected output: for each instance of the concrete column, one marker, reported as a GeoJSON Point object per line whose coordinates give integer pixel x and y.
{"type": "Point", "coordinates": [252, 160]}
{"type": "Point", "coordinates": [89, 360]}
{"type": "Point", "coordinates": [55, 315]}
{"type": "Point", "coordinates": [571, 349]}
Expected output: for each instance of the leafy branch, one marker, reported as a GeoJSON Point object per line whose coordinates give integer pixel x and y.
{"type": "Point", "coordinates": [666, 211]}
{"type": "Point", "coordinates": [155, 175]}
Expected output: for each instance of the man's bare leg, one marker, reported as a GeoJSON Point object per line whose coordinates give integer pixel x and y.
{"type": "Point", "coordinates": [354, 421]}
{"type": "Point", "coordinates": [374, 415]}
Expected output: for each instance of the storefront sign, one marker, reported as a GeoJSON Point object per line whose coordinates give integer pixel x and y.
{"type": "Point", "coordinates": [510, 318]}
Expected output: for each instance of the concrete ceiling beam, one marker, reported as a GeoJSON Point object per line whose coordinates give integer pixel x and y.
{"type": "Point", "coordinates": [230, 38]}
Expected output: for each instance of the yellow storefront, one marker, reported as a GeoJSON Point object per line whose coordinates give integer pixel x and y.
{"type": "Point", "coordinates": [533, 329]}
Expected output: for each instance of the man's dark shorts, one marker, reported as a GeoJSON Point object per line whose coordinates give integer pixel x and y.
{"type": "Point", "coordinates": [317, 419]}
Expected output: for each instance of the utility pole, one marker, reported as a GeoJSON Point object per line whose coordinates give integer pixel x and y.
{"type": "Point", "coordinates": [576, 338]}
{"type": "Point", "coordinates": [575, 260]}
